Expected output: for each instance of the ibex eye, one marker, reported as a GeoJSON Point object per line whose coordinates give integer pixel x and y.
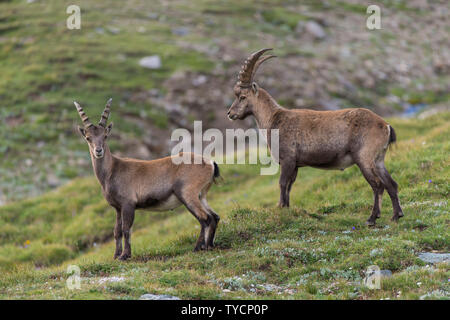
{"type": "Point", "coordinates": [88, 139]}
{"type": "Point", "coordinates": [242, 98]}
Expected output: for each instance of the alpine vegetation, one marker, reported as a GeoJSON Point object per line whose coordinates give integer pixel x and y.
{"type": "Point", "coordinates": [319, 139]}
{"type": "Point", "coordinates": [158, 185]}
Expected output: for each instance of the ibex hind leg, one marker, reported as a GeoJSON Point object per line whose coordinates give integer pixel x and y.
{"type": "Point", "coordinates": [212, 229]}
{"type": "Point", "coordinates": [287, 178]}
{"type": "Point", "coordinates": [192, 202]}
{"type": "Point", "coordinates": [368, 171]}
{"type": "Point", "coordinates": [212, 213]}
{"type": "Point", "coordinates": [392, 189]}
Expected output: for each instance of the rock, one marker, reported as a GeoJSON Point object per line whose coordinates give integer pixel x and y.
{"type": "Point", "coordinates": [150, 296]}
{"type": "Point", "coordinates": [151, 62]}
{"type": "Point", "coordinates": [430, 257]}
{"type": "Point", "coordinates": [174, 109]}
{"type": "Point", "coordinates": [113, 30]}
{"type": "Point", "coordinates": [330, 104]}
{"type": "Point", "coordinates": [386, 273]}
{"type": "Point", "coordinates": [201, 79]}
{"type": "Point", "coordinates": [300, 27]}
{"type": "Point", "coordinates": [154, 92]}
{"type": "Point", "coordinates": [110, 279]}
{"type": "Point", "coordinates": [2, 198]}
{"type": "Point", "coordinates": [153, 16]}
{"type": "Point", "coordinates": [52, 180]}
{"type": "Point", "coordinates": [315, 29]}
{"type": "Point", "coordinates": [435, 294]}
{"type": "Point", "coordinates": [375, 252]}
{"type": "Point", "coordinates": [141, 152]}
{"type": "Point", "coordinates": [181, 31]}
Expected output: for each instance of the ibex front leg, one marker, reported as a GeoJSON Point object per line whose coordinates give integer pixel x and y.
{"type": "Point", "coordinates": [287, 178]}
{"type": "Point", "coordinates": [118, 233]}
{"type": "Point", "coordinates": [127, 222]}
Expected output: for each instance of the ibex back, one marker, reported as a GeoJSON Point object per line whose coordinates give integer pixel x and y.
{"type": "Point", "coordinates": [130, 184]}
{"type": "Point", "coordinates": [320, 139]}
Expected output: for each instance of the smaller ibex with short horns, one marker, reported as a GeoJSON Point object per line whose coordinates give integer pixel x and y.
{"type": "Point", "coordinates": [159, 185]}
{"type": "Point", "coordinates": [319, 139]}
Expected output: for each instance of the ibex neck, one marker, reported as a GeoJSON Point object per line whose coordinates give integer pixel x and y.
{"type": "Point", "coordinates": [103, 166]}
{"type": "Point", "coordinates": [265, 109]}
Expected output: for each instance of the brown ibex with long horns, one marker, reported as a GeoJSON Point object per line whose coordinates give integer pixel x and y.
{"type": "Point", "coordinates": [319, 139]}
{"type": "Point", "coordinates": [160, 185]}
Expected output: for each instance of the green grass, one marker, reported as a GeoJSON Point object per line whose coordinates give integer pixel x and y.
{"type": "Point", "coordinates": [317, 249]}
{"type": "Point", "coordinates": [44, 67]}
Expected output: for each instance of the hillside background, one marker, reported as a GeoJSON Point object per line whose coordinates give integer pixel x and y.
{"type": "Point", "coordinates": [51, 210]}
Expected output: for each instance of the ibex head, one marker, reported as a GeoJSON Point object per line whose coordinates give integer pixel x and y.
{"type": "Point", "coordinates": [246, 90]}
{"type": "Point", "coordinates": [95, 135]}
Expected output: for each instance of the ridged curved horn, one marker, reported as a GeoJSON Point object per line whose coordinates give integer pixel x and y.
{"type": "Point", "coordinates": [258, 63]}
{"type": "Point", "coordinates": [83, 115]}
{"type": "Point", "coordinates": [105, 114]}
{"type": "Point", "coordinates": [245, 76]}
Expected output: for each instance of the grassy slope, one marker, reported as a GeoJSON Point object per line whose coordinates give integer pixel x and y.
{"type": "Point", "coordinates": [44, 67]}
{"type": "Point", "coordinates": [318, 249]}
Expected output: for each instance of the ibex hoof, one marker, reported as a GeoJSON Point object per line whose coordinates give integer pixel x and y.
{"type": "Point", "coordinates": [370, 223]}
{"type": "Point", "coordinates": [124, 257]}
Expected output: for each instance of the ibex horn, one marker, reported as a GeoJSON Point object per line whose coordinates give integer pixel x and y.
{"type": "Point", "coordinates": [105, 114]}
{"type": "Point", "coordinates": [83, 115]}
{"type": "Point", "coordinates": [245, 76]}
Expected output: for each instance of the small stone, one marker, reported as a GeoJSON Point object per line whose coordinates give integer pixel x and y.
{"type": "Point", "coordinates": [386, 273]}
{"type": "Point", "coordinates": [300, 26]}
{"type": "Point", "coordinates": [375, 252]}
{"type": "Point", "coordinates": [150, 296]}
{"type": "Point", "coordinates": [201, 79]}
{"type": "Point", "coordinates": [153, 16]}
{"type": "Point", "coordinates": [151, 62]}
{"type": "Point", "coordinates": [181, 31]}
{"type": "Point", "coordinates": [52, 180]}
{"type": "Point", "coordinates": [113, 30]}
{"type": "Point", "coordinates": [315, 29]}
{"type": "Point", "coordinates": [430, 257]}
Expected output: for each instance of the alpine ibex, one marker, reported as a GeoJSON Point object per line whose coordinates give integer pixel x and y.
{"type": "Point", "coordinates": [160, 185]}
{"type": "Point", "coordinates": [319, 139]}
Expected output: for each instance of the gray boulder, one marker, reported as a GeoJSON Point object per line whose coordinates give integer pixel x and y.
{"type": "Point", "coordinates": [430, 257]}
{"type": "Point", "coordinates": [151, 62]}
{"type": "Point", "coordinates": [149, 296]}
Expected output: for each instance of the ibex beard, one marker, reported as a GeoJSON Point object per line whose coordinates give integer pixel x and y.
{"type": "Point", "coordinates": [319, 139]}
{"type": "Point", "coordinates": [157, 185]}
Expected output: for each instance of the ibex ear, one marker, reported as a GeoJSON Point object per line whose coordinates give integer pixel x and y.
{"type": "Point", "coordinates": [82, 131]}
{"type": "Point", "coordinates": [108, 129]}
{"type": "Point", "coordinates": [255, 88]}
